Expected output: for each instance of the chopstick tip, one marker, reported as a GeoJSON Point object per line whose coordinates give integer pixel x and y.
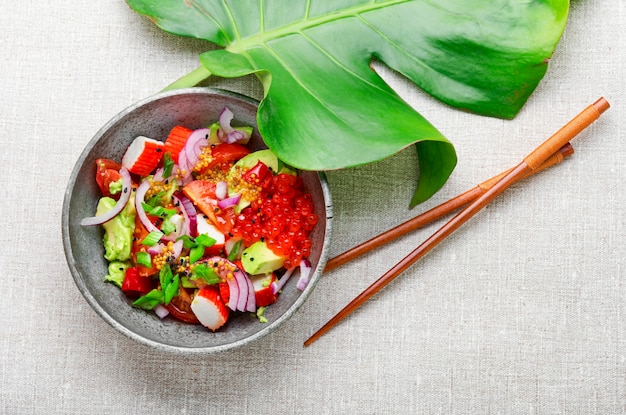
{"type": "Point", "coordinates": [601, 105]}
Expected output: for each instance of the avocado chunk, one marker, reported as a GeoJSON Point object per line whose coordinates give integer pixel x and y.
{"type": "Point", "coordinates": [267, 157]}
{"type": "Point", "coordinates": [117, 272]}
{"type": "Point", "coordinates": [118, 232]}
{"type": "Point", "coordinates": [258, 258]}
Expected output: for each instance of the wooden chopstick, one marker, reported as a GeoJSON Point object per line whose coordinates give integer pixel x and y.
{"type": "Point", "coordinates": [528, 164]}
{"type": "Point", "coordinates": [435, 213]}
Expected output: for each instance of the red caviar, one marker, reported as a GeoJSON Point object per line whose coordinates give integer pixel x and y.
{"type": "Point", "coordinates": [282, 216]}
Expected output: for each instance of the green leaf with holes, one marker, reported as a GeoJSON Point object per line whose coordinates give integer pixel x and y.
{"type": "Point", "coordinates": [325, 108]}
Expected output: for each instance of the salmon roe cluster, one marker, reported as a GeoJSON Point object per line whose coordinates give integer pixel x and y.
{"type": "Point", "coordinates": [282, 216]}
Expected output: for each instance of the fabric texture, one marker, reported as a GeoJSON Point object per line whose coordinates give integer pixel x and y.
{"type": "Point", "coordinates": [522, 310]}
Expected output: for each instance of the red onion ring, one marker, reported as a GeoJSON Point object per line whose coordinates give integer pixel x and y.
{"type": "Point", "coordinates": [305, 273]}
{"type": "Point", "coordinates": [221, 190]}
{"type": "Point", "coordinates": [177, 249]}
{"type": "Point", "coordinates": [119, 206]}
{"type": "Point", "coordinates": [140, 196]}
{"type": "Point", "coordinates": [161, 311]}
{"type": "Point", "coordinates": [251, 304]}
{"type": "Point", "coordinates": [190, 226]}
{"type": "Point", "coordinates": [243, 289]}
{"type": "Point", "coordinates": [156, 249]}
{"type": "Point", "coordinates": [279, 284]}
{"type": "Point", "coordinates": [226, 116]}
{"type": "Point", "coordinates": [228, 202]}
{"type": "Point", "coordinates": [226, 133]}
{"type": "Point", "coordinates": [194, 145]}
{"type": "Point", "coordinates": [184, 167]}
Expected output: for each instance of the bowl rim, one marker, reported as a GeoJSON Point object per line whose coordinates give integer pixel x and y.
{"type": "Point", "coordinates": [89, 297]}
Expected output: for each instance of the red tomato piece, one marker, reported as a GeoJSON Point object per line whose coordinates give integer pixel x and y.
{"type": "Point", "coordinates": [107, 172]}
{"type": "Point", "coordinates": [259, 175]}
{"type": "Point", "coordinates": [180, 307]}
{"type": "Point", "coordinates": [138, 235]}
{"type": "Point", "coordinates": [224, 291]}
{"type": "Point", "coordinates": [202, 195]}
{"type": "Point", "coordinates": [135, 284]}
{"type": "Point", "coordinates": [225, 155]}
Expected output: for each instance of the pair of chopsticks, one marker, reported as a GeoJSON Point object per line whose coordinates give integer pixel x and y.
{"type": "Point", "coordinates": [550, 152]}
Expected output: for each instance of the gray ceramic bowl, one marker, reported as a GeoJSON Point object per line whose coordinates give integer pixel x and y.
{"type": "Point", "coordinates": [154, 117]}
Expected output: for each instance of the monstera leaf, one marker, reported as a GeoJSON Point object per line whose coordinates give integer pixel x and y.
{"type": "Point", "coordinates": [325, 108]}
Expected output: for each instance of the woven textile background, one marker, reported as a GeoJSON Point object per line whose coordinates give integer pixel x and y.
{"type": "Point", "coordinates": [522, 310]}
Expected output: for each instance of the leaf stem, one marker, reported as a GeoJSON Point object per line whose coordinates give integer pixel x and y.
{"type": "Point", "coordinates": [193, 78]}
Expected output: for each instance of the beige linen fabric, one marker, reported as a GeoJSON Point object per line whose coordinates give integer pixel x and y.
{"type": "Point", "coordinates": [520, 311]}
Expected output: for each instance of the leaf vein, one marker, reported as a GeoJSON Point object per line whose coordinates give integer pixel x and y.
{"type": "Point", "coordinates": [341, 65]}
{"type": "Point", "coordinates": [194, 4]}
{"type": "Point", "coordinates": [262, 14]}
{"type": "Point", "coordinates": [394, 43]}
{"type": "Point", "coordinates": [232, 19]}
{"type": "Point", "coordinates": [296, 78]}
{"type": "Point", "coordinates": [308, 22]}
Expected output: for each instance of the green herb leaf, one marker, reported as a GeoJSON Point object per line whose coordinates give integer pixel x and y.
{"type": "Point", "coordinates": [143, 258]}
{"type": "Point", "coordinates": [186, 282]}
{"type": "Point", "coordinates": [150, 300]}
{"type": "Point", "coordinates": [168, 164]}
{"type": "Point", "coordinates": [205, 240]}
{"type": "Point", "coordinates": [170, 283]}
{"type": "Point", "coordinates": [477, 55]}
{"type": "Point", "coordinates": [152, 238]}
{"type": "Point", "coordinates": [171, 290]}
{"type": "Point", "coordinates": [205, 273]}
{"type": "Point", "coordinates": [196, 253]}
{"type": "Point", "coordinates": [159, 211]}
{"type": "Point", "coordinates": [168, 226]}
{"type": "Point", "coordinates": [155, 200]}
{"type": "Point", "coordinates": [188, 241]}
{"type": "Point", "coordinates": [235, 250]}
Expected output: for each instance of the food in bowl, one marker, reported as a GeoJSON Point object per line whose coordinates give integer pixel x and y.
{"type": "Point", "coordinates": [198, 226]}
{"type": "Point", "coordinates": [156, 116]}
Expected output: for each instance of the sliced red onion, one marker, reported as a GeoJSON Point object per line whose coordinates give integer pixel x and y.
{"type": "Point", "coordinates": [226, 116]}
{"type": "Point", "coordinates": [226, 133]}
{"type": "Point", "coordinates": [156, 249]}
{"type": "Point", "coordinates": [232, 137]}
{"type": "Point", "coordinates": [161, 311]}
{"type": "Point", "coordinates": [183, 164]}
{"type": "Point", "coordinates": [190, 226]}
{"type": "Point", "coordinates": [194, 145]}
{"type": "Point", "coordinates": [177, 249]}
{"type": "Point", "coordinates": [221, 190]}
{"type": "Point", "coordinates": [251, 304]}
{"type": "Point", "coordinates": [305, 273]}
{"type": "Point", "coordinates": [228, 202]}
{"type": "Point", "coordinates": [140, 196]}
{"type": "Point", "coordinates": [242, 296]}
{"type": "Point", "coordinates": [233, 285]}
{"type": "Point", "coordinates": [242, 283]}
{"type": "Point", "coordinates": [279, 284]}
{"type": "Point", "coordinates": [119, 206]}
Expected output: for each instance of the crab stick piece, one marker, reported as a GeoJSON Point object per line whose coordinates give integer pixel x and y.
{"type": "Point", "coordinates": [176, 140]}
{"type": "Point", "coordinates": [143, 155]}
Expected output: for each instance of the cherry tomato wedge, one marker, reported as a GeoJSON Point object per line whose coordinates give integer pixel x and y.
{"type": "Point", "coordinates": [180, 307]}
{"type": "Point", "coordinates": [225, 155]}
{"type": "Point", "coordinates": [260, 175]}
{"type": "Point", "coordinates": [107, 172]}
